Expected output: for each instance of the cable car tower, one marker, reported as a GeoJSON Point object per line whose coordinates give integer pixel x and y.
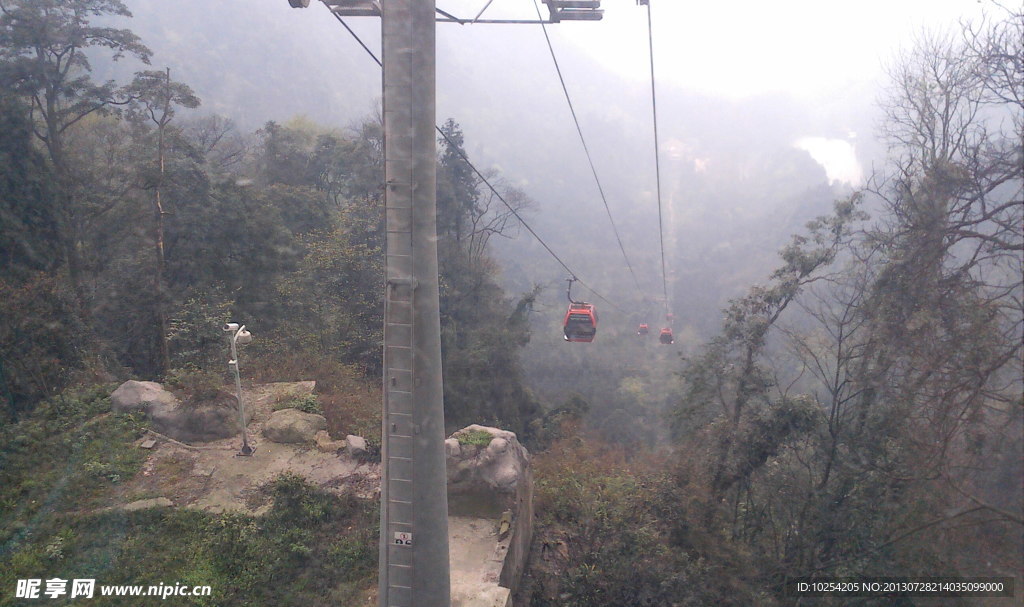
{"type": "Point", "coordinates": [414, 560]}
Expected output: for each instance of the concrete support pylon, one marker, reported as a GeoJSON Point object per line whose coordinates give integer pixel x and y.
{"type": "Point", "coordinates": [414, 562]}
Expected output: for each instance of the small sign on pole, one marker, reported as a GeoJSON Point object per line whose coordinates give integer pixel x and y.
{"type": "Point", "coordinates": [403, 538]}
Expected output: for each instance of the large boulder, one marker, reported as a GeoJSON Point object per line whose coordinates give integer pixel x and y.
{"type": "Point", "coordinates": [489, 477]}
{"type": "Point", "coordinates": [142, 396]}
{"type": "Point", "coordinates": [168, 416]}
{"type": "Point", "coordinates": [293, 426]}
{"type": "Point", "coordinates": [485, 460]}
{"type": "Point", "coordinates": [199, 423]}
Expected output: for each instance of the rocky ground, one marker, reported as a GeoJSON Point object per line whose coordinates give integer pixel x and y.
{"type": "Point", "coordinates": [488, 478]}
{"type": "Point", "coordinates": [212, 476]}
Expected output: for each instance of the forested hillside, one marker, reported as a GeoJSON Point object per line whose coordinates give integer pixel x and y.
{"type": "Point", "coordinates": [859, 412]}
{"type": "Point", "coordinates": [854, 409]}
{"type": "Point", "coordinates": [131, 233]}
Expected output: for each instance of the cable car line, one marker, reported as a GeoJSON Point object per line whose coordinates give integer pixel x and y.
{"type": "Point", "coordinates": [657, 161]}
{"type": "Point", "coordinates": [665, 337]}
{"type": "Point", "coordinates": [452, 145]}
{"type": "Point", "coordinates": [583, 140]}
{"type": "Point", "coordinates": [523, 221]}
{"type": "Point", "coordinates": [358, 39]}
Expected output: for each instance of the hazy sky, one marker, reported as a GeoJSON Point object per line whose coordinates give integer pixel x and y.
{"type": "Point", "coordinates": [745, 47]}
{"type": "Point", "coordinates": [820, 52]}
{"type": "Point", "coordinates": [737, 48]}
{"type": "Point", "coordinates": [825, 56]}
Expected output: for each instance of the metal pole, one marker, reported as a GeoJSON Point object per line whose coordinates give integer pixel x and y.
{"type": "Point", "coordinates": [233, 363]}
{"type": "Point", "coordinates": [414, 569]}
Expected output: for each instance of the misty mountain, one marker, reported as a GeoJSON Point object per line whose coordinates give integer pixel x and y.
{"type": "Point", "coordinates": [733, 185]}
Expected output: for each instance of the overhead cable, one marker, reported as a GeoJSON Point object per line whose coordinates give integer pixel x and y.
{"type": "Point", "coordinates": [657, 161]}
{"type": "Point", "coordinates": [583, 140]}
{"type": "Point", "coordinates": [453, 146]}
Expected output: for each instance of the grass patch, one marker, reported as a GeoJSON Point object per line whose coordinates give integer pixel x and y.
{"type": "Point", "coordinates": [67, 457]}
{"type": "Point", "coordinates": [70, 458]}
{"type": "Point", "coordinates": [307, 403]}
{"type": "Point", "coordinates": [311, 548]}
{"type": "Point", "coordinates": [480, 438]}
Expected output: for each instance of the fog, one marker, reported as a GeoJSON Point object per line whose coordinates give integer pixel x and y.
{"type": "Point", "coordinates": [766, 114]}
{"type": "Point", "coordinates": [804, 358]}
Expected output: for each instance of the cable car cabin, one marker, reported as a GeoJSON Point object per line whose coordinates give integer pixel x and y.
{"type": "Point", "coordinates": [580, 322]}
{"type": "Point", "coordinates": [643, 329]}
{"type": "Point", "coordinates": [666, 337]}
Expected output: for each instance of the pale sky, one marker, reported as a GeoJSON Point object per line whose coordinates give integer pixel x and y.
{"type": "Point", "coordinates": [817, 51]}
{"type": "Point", "coordinates": [738, 48]}
{"type": "Point", "coordinates": [803, 47]}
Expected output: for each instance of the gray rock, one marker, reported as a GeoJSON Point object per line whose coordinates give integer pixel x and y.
{"type": "Point", "coordinates": [494, 469]}
{"type": "Point", "coordinates": [293, 426]}
{"type": "Point", "coordinates": [356, 446]}
{"type": "Point", "coordinates": [497, 447]}
{"type": "Point", "coordinates": [206, 422]}
{"type": "Point", "coordinates": [157, 502]}
{"type": "Point", "coordinates": [169, 417]}
{"type": "Point", "coordinates": [325, 444]}
{"type": "Point", "coordinates": [141, 396]}
{"type": "Point", "coordinates": [493, 481]}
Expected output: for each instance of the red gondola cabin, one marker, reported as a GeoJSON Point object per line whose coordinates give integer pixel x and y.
{"type": "Point", "coordinates": [580, 322]}
{"type": "Point", "coordinates": [643, 329]}
{"type": "Point", "coordinates": [666, 337]}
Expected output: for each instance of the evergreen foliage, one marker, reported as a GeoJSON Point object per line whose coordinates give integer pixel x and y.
{"type": "Point", "coordinates": [857, 414]}
{"type": "Point", "coordinates": [842, 420]}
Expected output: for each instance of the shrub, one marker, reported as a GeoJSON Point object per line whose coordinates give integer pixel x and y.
{"type": "Point", "coordinates": [194, 328]}
{"type": "Point", "coordinates": [198, 385]}
{"type": "Point", "coordinates": [307, 403]}
{"type": "Point", "coordinates": [603, 534]}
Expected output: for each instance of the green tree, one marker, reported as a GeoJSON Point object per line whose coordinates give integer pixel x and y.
{"type": "Point", "coordinates": [28, 225]}
{"type": "Point", "coordinates": [855, 433]}
{"type": "Point", "coordinates": [333, 300]}
{"type": "Point", "coordinates": [44, 47]}
{"type": "Point", "coordinates": [482, 332]}
{"type": "Point", "coordinates": [729, 375]}
{"type": "Point", "coordinates": [34, 310]}
{"type": "Point", "coordinates": [155, 97]}
{"type": "Point", "coordinates": [284, 155]}
{"type": "Point", "coordinates": [348, 169]}
{"type": "Point", "coordinates": [457, 185]}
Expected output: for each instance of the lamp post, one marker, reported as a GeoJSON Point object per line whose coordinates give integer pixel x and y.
{"type": "Point", "coordinates": [238, 335]}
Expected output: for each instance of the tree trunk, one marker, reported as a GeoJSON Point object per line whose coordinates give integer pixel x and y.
{"type": "Point", "coordinates": [163, 358]}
